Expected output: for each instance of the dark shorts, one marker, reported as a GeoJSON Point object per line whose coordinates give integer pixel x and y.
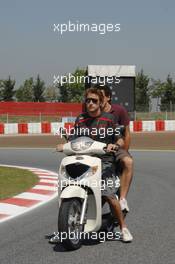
{"type": "Point", "coordinates": [109, 184]}
{"type": "Point", "coordinates": [122, 153]}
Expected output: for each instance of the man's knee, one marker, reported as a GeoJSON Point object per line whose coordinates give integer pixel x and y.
{"type": "Point", "coordinates": [127, 162]}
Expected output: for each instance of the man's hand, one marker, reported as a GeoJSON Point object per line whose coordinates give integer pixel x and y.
{"type": "Point", "coordinates": [112, 148]}
{"type": "Point", "coordinates": [59, 147]}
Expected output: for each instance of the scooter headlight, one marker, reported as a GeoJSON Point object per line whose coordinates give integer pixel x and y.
{"type": "Point", "coordinates": [82, 145]}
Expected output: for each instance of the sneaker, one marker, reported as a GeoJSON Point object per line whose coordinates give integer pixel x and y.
{"type": "Point", "coordinates": [124, 205]}
{"type": "Point", "coordinates": [126, 235]}
{"type": "Point", "coordinates": [50, 235]}
{"type": "Point", "coordinates": [55, 239]}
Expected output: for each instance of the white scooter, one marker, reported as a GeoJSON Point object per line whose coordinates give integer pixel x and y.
{"type": "Point", "coordinates": [79, 188]}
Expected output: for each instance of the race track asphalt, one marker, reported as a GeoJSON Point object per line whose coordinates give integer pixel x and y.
{"type": "Point", "coordinates": [139, 140]}
{"type": "Point", "coordinates": [151, 220]}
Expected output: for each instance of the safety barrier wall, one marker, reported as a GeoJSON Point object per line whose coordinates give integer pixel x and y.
{"type": "Point", "coordinates": [36, 108]}
{"type": "Point", "coordinates": [53, 128]}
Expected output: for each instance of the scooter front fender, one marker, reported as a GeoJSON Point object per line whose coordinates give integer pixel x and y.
{"type": "Point", "coordinates": [73, 191]}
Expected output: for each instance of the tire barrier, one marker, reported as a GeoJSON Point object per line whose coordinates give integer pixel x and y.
{"type": "Point", "coordinates": [137, 126]}
{"type": "Point", "coordinates": [160, 125]}
{"type": "Point", "coordinates": [22, 128]}
{"type": "Point", "coordinates": [46, 127]}
{"type": "Point", "coordinates": [53, 128]}
{"type": "Point", "coordinates": [1, 128]}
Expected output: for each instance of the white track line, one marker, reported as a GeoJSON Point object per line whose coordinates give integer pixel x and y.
{"type": "Point", "coordinates": [6, 208]}
{"type": "Point", "coordinates": [48, 181]}
{"type": "Point", "coordinates": [33, 196]}
{"type": "Point", "coordinates": [44, 187]}
{"type": "Point", "coordinates": [48, 177]}
{"type": "Point", "coordinates": [12, 210]}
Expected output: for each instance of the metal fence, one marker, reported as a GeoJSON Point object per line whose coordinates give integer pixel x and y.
{"type": "Point", "coordinates": [153, 115]}
{"type": "Point", "coordinates": [161, 112]}
{"type": "Point", "coordinates": [10, 118]}
{"type": "Point", "coordinates": [6, 118]}
{"type": "Point", "coordinates": [142, 114]}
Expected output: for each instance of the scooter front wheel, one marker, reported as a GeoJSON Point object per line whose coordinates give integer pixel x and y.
{"type": "Point", "coordinates": [69, 223]}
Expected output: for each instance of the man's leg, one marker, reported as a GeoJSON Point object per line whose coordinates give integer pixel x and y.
{"type": "Point", "coordinates": [126, 162]}
{"type": "Point", "coordinates": [114, 203]}
{"type": "Point", "coordinates": [108, 192]}
{"type": "Point", "coordinates": [126, 177]}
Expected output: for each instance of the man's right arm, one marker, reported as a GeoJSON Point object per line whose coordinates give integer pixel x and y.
{"type": "Point", "coordinates": [70, 137]}
{"type": "Point", "coordinates": [76, 125]}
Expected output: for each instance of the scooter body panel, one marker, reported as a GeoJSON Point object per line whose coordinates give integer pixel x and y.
{"type": "Point", "coordinates": [73, 191]}
{"type": "Point", "coordinates": [69, 188]}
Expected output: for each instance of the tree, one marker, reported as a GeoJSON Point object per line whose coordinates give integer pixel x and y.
{"type": "Point", "coordinates": [51, 94]}
{"type": "Point", "coordinates": [165, 91]}
{"type": "Point", "coordinates": [38, 89]}
{"type": "Point", "coordinates": [63, 92]}
{"type": "Point", "coordinates": [156, 88]}
{"type": "Point", "coordinates": [168, 92]}
{"type": "Point", "coordinates": [1, 89]}
{"type": "Point", "coordinates": [73, 89]}
{"type": "Point", "coordinates": [25, 91]}
{"type": "Point", "coordinates": [7, 89]}
{"type": "Point", "coordinates": [142, 91]}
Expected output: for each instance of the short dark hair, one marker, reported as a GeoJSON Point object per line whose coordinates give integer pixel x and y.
{"type": "Point", "coordinates": [104, 88]}
{"type": "Point", "coordinates": [95, 91]}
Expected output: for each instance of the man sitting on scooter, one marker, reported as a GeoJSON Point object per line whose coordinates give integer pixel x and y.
{"type": "Point", "coordinates": [122, 156]}
{"type": "Point", "coordinates": [95, 118]}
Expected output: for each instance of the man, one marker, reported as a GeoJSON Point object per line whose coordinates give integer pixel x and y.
{"type": "Point", "coordinates": [94, 118]}
{"type": "Point", "coordinates": [122, 156]}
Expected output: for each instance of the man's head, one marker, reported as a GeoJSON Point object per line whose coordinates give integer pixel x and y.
{"type": "Point", "coordinates": [107, 93]}
{"type": "Point", "coordinates": [93, 101]}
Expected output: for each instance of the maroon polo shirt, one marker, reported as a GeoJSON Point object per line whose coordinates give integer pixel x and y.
{"type": "Point", "coordinates": [120, 114]}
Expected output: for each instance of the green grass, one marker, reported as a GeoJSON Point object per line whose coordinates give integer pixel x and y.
{"type": "Point", "coordinates": [14, 181]}
{"type": "Point", "coordinates": [29, 119]}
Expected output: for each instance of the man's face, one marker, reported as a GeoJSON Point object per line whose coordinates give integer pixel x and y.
{"type": "Point", "coordinates": [106, 99]}
{"type": "Point", "coordinates": [92, 102]}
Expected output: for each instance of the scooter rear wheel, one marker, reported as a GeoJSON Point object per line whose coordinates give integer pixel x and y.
{"type": "Point", "coordinates": [69, 223]}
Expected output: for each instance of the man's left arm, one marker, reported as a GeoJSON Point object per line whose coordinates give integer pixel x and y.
{"type": "Point", "coordinates": [127, 138]}
{"type": "Point", "coordinates": [124, 120]}
{"type": "Point", "coordinates": [118, 144]}
{"type": "Point", "coordinates": [118, 140]}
